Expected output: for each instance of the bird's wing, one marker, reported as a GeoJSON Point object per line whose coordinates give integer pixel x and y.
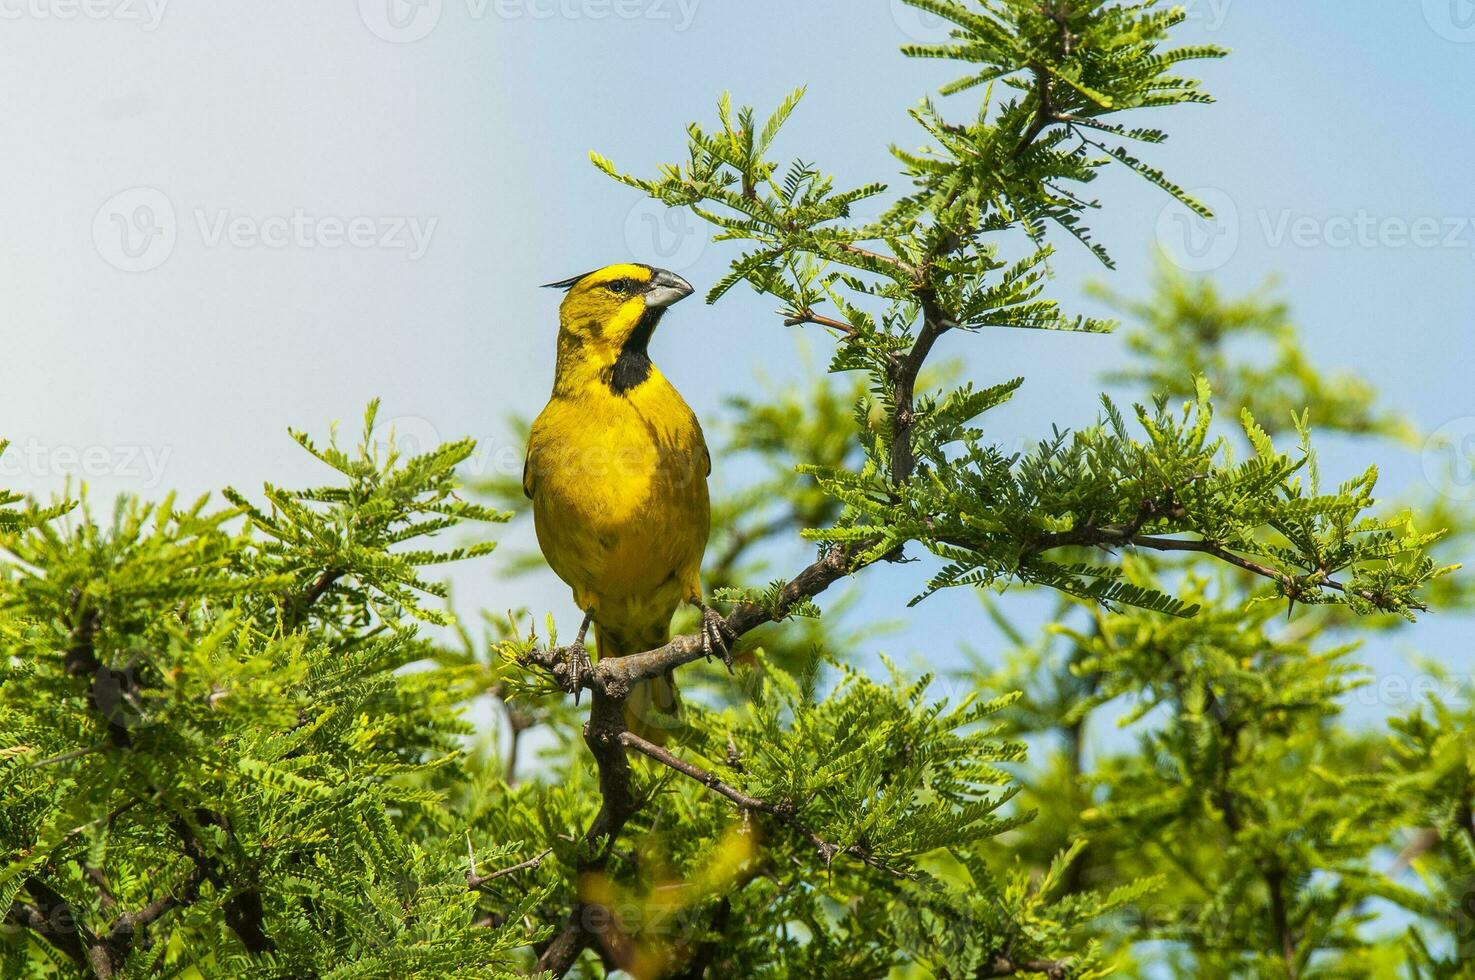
{"type": "Point", "coordinates": [527, 473]}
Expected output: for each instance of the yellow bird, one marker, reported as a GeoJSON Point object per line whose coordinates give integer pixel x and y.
{"type": "Point", "coordinates": [617, 472]}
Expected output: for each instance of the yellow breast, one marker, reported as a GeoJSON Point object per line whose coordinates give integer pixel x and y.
{"type": "Point", "coordinates": [619, 489]}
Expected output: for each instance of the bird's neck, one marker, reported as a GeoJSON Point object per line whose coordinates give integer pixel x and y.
{"type": "Point", "coordinates": [591, 357]}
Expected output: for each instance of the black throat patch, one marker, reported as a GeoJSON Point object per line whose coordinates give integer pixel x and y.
{"type": "Point", "coordinates": [633, 365]}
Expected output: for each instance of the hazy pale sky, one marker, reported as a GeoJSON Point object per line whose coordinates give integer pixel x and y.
{"type": "Point", "coordinates": [220, 220]}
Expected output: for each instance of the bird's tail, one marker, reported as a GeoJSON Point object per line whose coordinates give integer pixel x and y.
{"type": "Point", "coordinates": [652, 709]}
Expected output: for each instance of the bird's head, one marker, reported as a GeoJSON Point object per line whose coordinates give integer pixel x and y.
{"type": "Point", "coordinates": [618, 307]}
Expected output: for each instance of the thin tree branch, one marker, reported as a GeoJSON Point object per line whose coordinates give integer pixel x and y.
{"type": "Point", "coordinates": [562, 950]}
{"type": "Point", "coordinates": [1280, 919]}
{"type": "Point", "coordinates": [591, 923]}
{"type": "Point", "coordinates": [244, 912]}
{"type": "Point", "coordinates": [69, 756]}
{"type": "Point", "coordinates": [128, 922]}
{"type": "Point", "coordinates": [94, 875]}
{"type": "Point", "coordinates": [1120, 535]}
{"type": "Point", "coordinates": [80, 657]}
{"type": "Point", "coordinates": [702, 957]}
{"type": "Point", "coordinates": [900, 265]}
{"type": "Point", "coordinates": [784, 812]}
{"type": "Point", "coordinates": [1273, 875]}
{"type": "Point", "coordinates": [807, 315]}
{"type": "Point", "coordinates": [474, 880]}
{"type": "Point", "coordinates": [904, 373]}
{"type": "Point", "coordinates": [611, 680]}
{"type": "Point", "coordinates": [1045, 110]}
{"type": "Point", "coordinates": [108, 954]}
{"type": "Point", "coordinates": [707, 779]}
{"type": "Point", "coordinates": [53, 920]}
{"type": "Point", "coordinates": [301, 604]}
{"type": "Point", "coordinates": [518, 721]}
{"type": "Point", "coordinates": [614, 677]}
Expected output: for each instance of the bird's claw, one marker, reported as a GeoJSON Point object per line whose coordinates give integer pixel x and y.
{"type": "Point", "coordinates": [717, 636]}
{"type": "Point", "coordinates": [577, 666]}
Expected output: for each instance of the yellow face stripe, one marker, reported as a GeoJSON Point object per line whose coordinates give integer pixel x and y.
{"type": "Point", "coordinates": [610, 273]}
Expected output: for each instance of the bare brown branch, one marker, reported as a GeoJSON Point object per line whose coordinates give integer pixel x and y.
{"type": "Point", "coordinates": [808, 315]}
{"type": "Point", "coordinates": [474, 880]}
{"type": "Point", "coordinates": [615, 676]}
{"type": "Point", "coordinates": [53, 919]}
{"type": "Point", "coordinates": [618, 804]}
{"type": "Point", "coordinates": [901, 265]}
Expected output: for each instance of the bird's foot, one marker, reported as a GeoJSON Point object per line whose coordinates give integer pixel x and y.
{"type": "Point", "coordinates": [717, 636]}
{"type": "Point", "coordinates": [577, 666]}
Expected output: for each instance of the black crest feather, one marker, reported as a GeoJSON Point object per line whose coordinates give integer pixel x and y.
{"type": "Point", "coordinates": [569, 283]}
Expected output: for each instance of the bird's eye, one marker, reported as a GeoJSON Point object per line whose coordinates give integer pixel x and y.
{"type": "Point", "coordinates": [619, 286]}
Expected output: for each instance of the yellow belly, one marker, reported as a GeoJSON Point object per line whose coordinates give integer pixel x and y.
{"type": "Point", "coordinates": [619, 493]}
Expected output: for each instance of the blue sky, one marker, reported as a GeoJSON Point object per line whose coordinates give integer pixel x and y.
{"type": "Point", "coordinates": [232, 149]}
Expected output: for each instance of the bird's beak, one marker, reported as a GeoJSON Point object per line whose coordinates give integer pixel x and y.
{"type": "Point", "coordinates": [665, 289]}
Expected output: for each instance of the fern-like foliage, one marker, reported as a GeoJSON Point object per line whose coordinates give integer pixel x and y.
{"type": "Point", "coordinates": [212, 763]}
{"type": "Point", "coordinates": [934, 263]}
